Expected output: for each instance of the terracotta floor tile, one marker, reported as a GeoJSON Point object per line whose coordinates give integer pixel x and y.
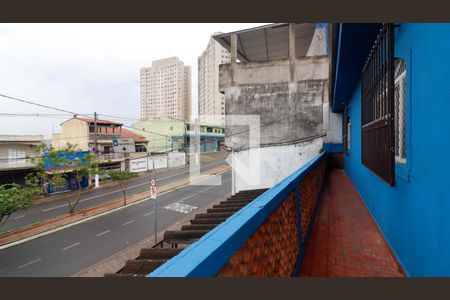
{"type": "Point", "coordinates": [345, 240]}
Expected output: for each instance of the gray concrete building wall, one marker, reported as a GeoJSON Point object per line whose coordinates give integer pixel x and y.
{"type": "Point", "coordinates": [290, 96]}
{"type": "Point", "coordinates": [287, 95]}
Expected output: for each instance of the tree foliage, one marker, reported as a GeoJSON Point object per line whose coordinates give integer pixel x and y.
{"type": "Point", "coordinates": [122, 177]}
{"type": "Point", "coordinates": [14, 197]}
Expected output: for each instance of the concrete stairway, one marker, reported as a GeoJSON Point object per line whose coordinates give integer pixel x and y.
{"type": "Point", "coordinates": [151, 258]}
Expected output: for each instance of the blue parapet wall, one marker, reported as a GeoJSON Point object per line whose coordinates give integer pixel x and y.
{"type": "Point", "coordinates": [207, 256]}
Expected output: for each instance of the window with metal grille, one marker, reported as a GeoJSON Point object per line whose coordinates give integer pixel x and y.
{"type": "Point", "coordinates": [378, 109]}
{"type": "Point", "coordinates": [400, 110]}
{"type": "Point", "coordinates": [347, 131]}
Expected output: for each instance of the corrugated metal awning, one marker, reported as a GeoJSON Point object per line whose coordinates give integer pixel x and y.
{"type": "Point", "coordinates": [268, 42]}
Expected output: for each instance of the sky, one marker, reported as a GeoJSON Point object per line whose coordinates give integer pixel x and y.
{"type": "Point", "coordinates": [88, 67]}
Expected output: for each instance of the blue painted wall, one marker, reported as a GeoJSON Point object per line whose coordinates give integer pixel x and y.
{"type": "Point", "coordinates": [414, 216]}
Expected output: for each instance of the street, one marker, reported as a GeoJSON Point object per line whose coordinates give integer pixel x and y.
{"type": "Point", "coordinates": [94, 197]}
{"type": "Point", "coordinates": [68, 251]}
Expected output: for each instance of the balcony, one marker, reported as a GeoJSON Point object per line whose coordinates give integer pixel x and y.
{"type": "Point", "coordinates": [112, 157]}
{"type": "Point", "coordinates": [312, 223]}
{"type": "Point", "coordinates": [104, 136]}
{"type": "Point", "coordinates": [20, 163]}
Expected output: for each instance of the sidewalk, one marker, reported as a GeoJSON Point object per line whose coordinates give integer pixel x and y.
{"type": "Point", "coordinates": [64, 221]}
{"type": "Point", "coordinates": [345, 241]}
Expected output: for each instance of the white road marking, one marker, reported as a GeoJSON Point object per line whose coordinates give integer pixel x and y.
{"type": "Point", "coordinates": [29, 263]}
{"type": "Point", "coordinates": [102, 233]}
{"type": "Point", "coordinates": [55, 207]}
{"type": "Point", "coordinates": [129, 222]}
{"type": "Point", "coordinates": [179, 207]}
{"type": "Point", "coordinates": [71, 246]}
{"type": "Point", "coordinates": [148, 214]}
{"type": "Point", "coordinates": [18, 217]}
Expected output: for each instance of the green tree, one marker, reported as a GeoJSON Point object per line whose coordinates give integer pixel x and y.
{"type": "Point", "coordinates": [14, 197]}
{"type": "Point", "coordinates": [122, 177]}
{"type": "Point", "coordinates": [64, 161]}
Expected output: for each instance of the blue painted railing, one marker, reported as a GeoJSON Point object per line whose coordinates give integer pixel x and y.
{"type": "Point", "coordinates": [207, 256]}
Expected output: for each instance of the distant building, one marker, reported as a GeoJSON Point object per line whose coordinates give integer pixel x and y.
{"type": "Point", "coordinates": [169, 135]}
{"type": "Point", "coordinates": [81, 131]}
{"type": "Point", "coordinates": [210, 100]}
{"type": "Point", "coordinates": [14, 153]}
{"type": "Point", "coordinates": [166, 90]}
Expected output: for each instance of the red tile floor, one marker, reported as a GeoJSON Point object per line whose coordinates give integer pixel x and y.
{"type": "Point", "coordinates": [345, 242]}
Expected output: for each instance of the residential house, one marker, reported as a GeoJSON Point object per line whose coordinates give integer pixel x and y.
{"type": "Point", "coordinates": [81, 131]}
{"type": "Point", "coordinates": [14, 153]}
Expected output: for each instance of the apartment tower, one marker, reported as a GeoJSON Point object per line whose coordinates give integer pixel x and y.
{"type": "Point", "coordinates": [210, 100]}
{"type": "Point", "coordinates": [166, 90]}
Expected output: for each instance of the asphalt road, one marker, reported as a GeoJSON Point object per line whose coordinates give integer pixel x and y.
{"type": "Point", "coordinates": [73, 249]}
{"type": "Point", "coordinates": [95, 197]}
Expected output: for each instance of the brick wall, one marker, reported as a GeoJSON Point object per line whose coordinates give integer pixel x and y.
{"type": "Point", "coordinates": [273, 250]}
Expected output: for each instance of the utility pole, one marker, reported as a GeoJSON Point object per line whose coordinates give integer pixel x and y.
{"type": "Point", "coordinates": [153, 195]}
{"type": "Point", "coordinates": [95, 133]}
{"type": "Point", "coordinates": [96, 179]}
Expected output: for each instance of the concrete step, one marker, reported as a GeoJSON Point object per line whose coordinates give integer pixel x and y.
{"type": "Point", "coordinates": [211, 221]}
{"type": "Point", "coordinates": [142, 266]}
{"type": "Point", "coordinates": [223, 210]}
{"type": "Point", "coordinates": [158, 253]}
{"type": "Point", "coordinates": [237, 202]}
{"type": "Point", "coordinates": [251, 192]}
{"type": "Point", "coordinates": [129, 275]}
{"type": "Point", "coordinates": [213, 215]}
{"type": "Point", "coordinates": [231, 205]}
{"type": "Point", "coordinates": [199, 227]}
{"type": "Point", "coordinates": [183, 236]}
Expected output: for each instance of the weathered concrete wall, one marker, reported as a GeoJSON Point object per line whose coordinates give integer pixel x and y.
{"type": "Point", "coordinates": [291, 98]}
{"type": "Point", "coordinates": [286, 94]}
{"type": "Point", "coordinates": [276, 163]}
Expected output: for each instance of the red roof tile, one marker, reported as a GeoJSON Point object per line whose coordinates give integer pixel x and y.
{"type": "Point", "coordinates": [103, 122]}
{"type": "Point", "coordinates": [130, 134]}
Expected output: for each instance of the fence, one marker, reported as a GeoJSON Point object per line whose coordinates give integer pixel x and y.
{"type": "Point", "coordinates": [266, 238]}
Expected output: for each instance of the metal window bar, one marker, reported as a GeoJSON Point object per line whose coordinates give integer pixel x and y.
{"type": "Point", "coordinates": [377, 109]}
{"type": "Point", "coordinates": [400, 111]}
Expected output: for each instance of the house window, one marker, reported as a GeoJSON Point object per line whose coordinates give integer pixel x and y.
{"type": "Point", "coordinates": [349, 133]}
{"type": "Point", "coordinates": [400, 110]}
{"type": "Point", "coordinates": [16, 154]}
{"type": "Point", "coordinates": [347, 129]}
{"type": "Point", "coordinates": [141, 148]}
{"type": "Point", "coordinates": [378, 107]}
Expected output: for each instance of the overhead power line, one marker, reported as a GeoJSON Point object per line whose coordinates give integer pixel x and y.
{"type": "Point", "coordinates": [70, 112]}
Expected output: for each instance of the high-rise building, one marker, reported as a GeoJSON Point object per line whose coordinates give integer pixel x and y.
{"type": "Point", "coordinates": [166, 90]}
{"type": "Point", "coordinates": [210, 100]}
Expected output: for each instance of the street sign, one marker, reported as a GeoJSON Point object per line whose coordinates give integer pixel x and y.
{"type": "Point", "coordinates": [153, 192]}
{"type": "Point", "coordinates": [123, 145]}
{"type": "Point", "coordinates": [153, 182]}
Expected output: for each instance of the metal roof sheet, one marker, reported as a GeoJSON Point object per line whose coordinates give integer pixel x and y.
{"type": "Point", "coordinates": [268, 42]}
